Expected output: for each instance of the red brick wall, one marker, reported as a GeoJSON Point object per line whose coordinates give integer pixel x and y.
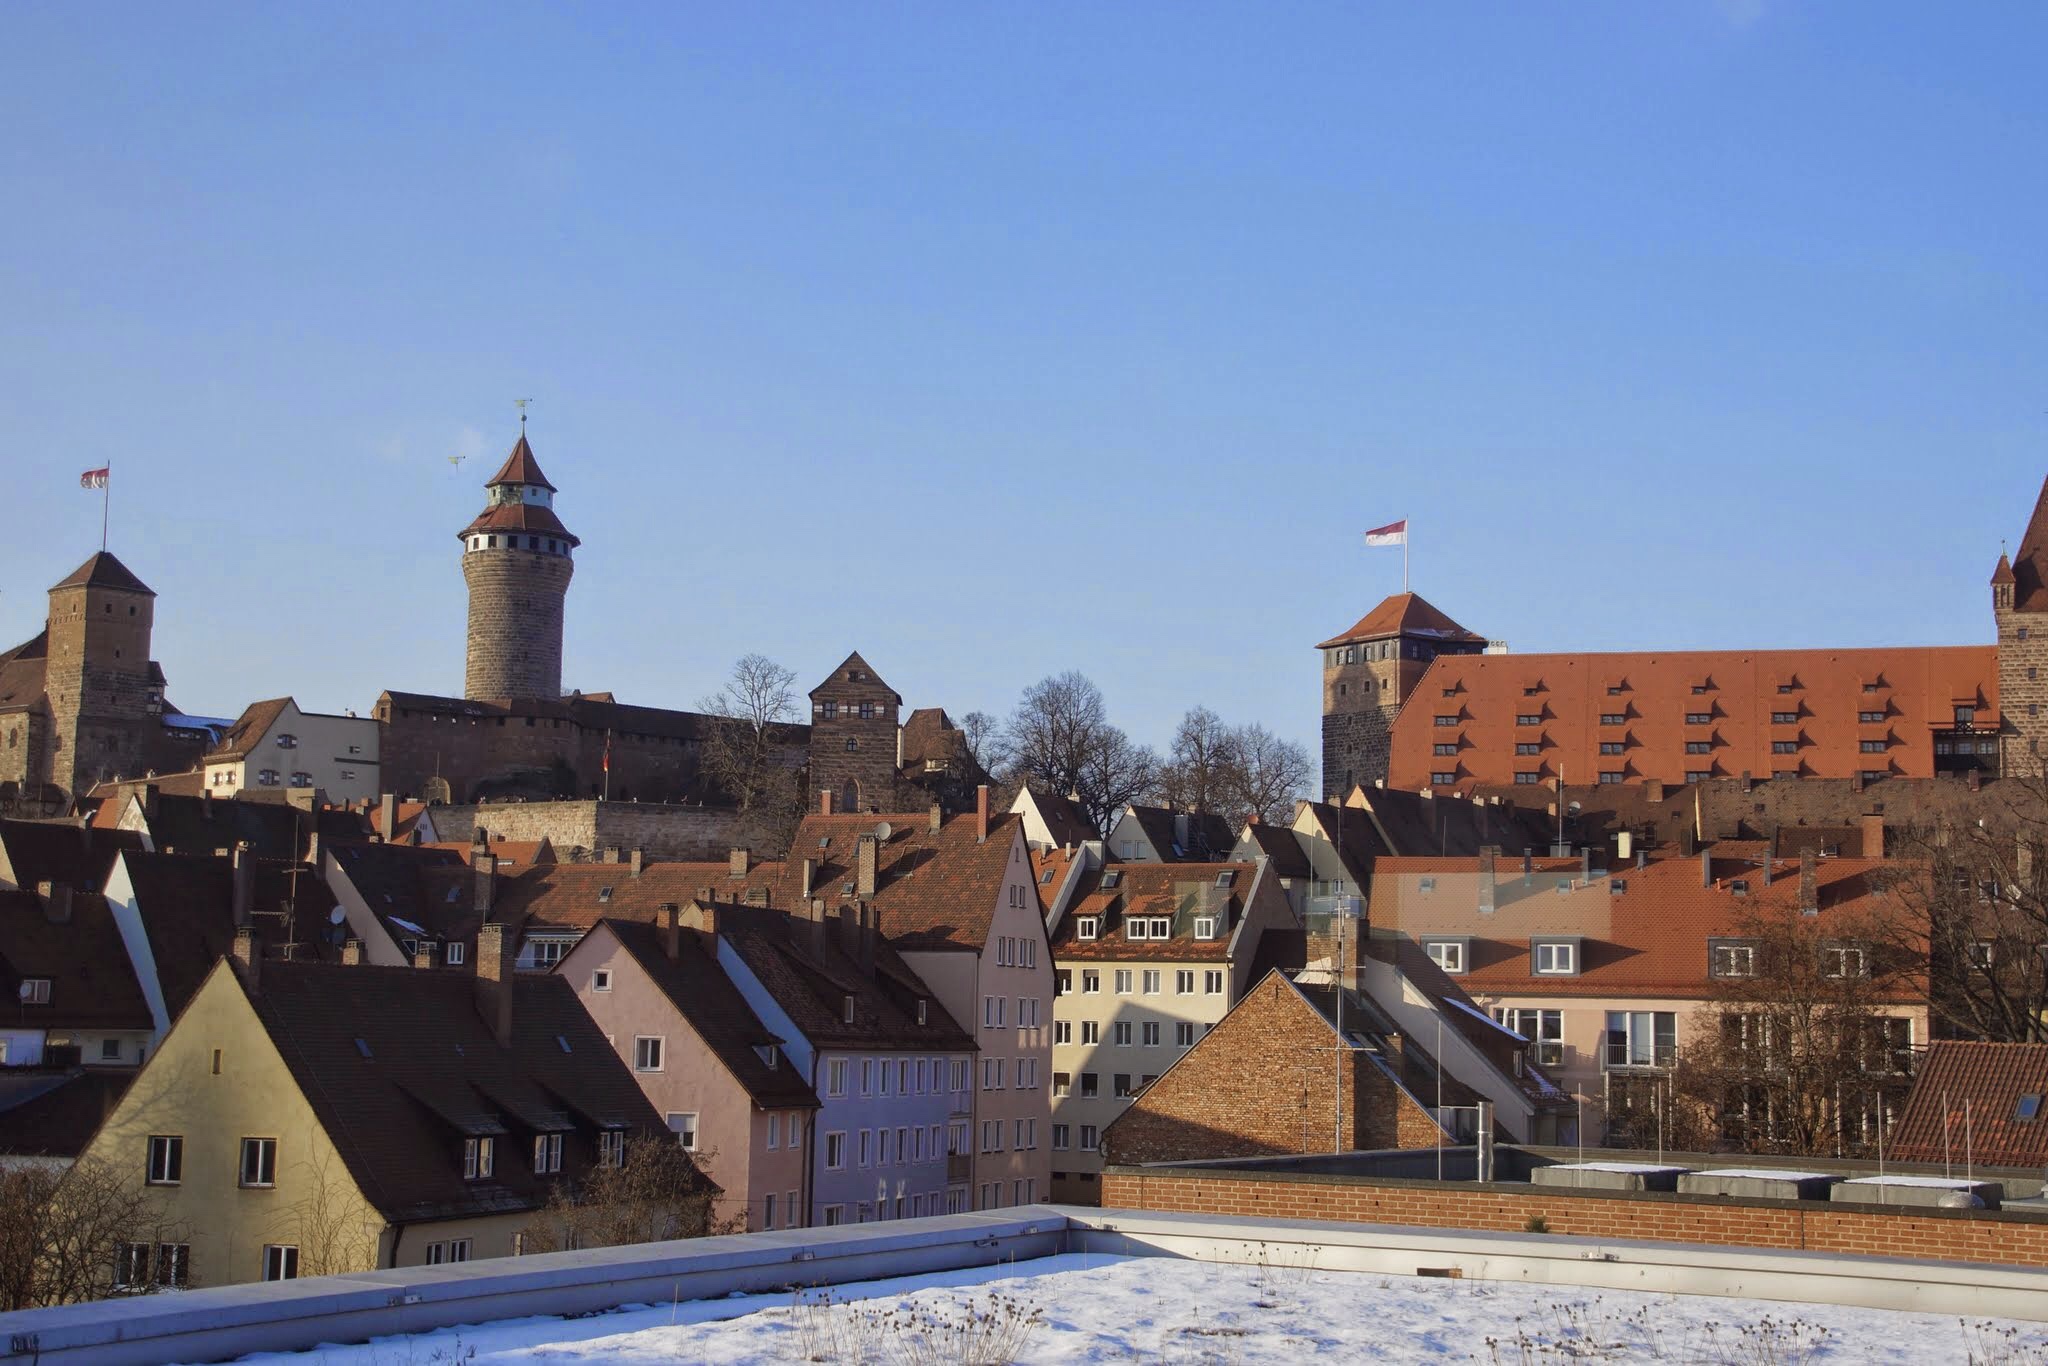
{"type": "Point", "coordinates": [1960, 1237]}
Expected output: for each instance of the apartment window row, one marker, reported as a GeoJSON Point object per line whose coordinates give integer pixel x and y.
{"type": "Point", "coordinates": [887, 1147]}
{"type": "Point", "coordinates": [898, 1075]}
{"type": "Point", "coordinates": [1016, 951]}
{"type": "Point", "coordinates": [1554, 956]}
{"type": "Point", "coordinates": [995, 1012]}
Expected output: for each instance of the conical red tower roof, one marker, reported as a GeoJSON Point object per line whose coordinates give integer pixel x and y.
{"type": "Point", "coordinates": [521, 468]}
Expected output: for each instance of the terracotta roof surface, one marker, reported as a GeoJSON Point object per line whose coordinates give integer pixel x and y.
{"type": "Point", "coordinates": [1402, 614]}
{"type": "Point", "coordinates": [401, 1066]}
{"type": "Point", "coordinates": [701, 992]}
{"type": "Point", "coordinates": [575, 896]}
{"type": "Point", "coordinates": [1996, 1080]}
{"type": "Point", "coordinates": [520, 517]}
{"type": "Point", "coordinates": [102, 570]}
{"type": "Point", "coordinates": [1183, 891]}
{"type": "Point", "coordinates": [248, 730]}
{"type": "Point", "coordinates": [92, 985]}
{"type": "Point", "coordinates": [521, 468]}
{"type": "Point", "coordinates": [933, 889]}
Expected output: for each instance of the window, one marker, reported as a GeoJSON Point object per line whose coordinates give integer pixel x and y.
{"type": "Point", "coordinates": [173, 1265]}
{"type": "Point", "coordinates": [1120, 1033]}
{"type": "Point", "coordinates": [1087, 927]}
{"type": "Point", "coordinates": [1448, 954]}
{"type": "Point", "coordinates": [1699, 775]}
{"type": "Point", "coordinates": [1089, 1085]}
{"type": "Point", "coordinates": [2028, 1109]}
{"type": "Point", "coordinates": [683, 1124]}
{"type": "Point", "coordinates": [1872, 775]}
{"type": "Point", "coordinates": [259, 1162]}
{"type": "Point", "coordinates": [1981, 954]}
{"type": "Point", "coordinates": [647, 1053]}
{"type": "Point", "coordinates": [1123, 981]}
{"type": "Point", "coordinates": [1149, 1033]}
{"type": "Point", "coordinates": [1613, 718]}
{"type": "Point", "coordinates": [1212, 982]}
{"type": "Point", "coordinates": [1699, 718]}
{"type": "Point", "coordinates": [864, 1146]}
{"type": "Point", "coordinates": [1560, 958]}
{"type": "Point", "coordinates": [1062, 1031]}
{"type": "Point", "coordinates": [455, 954]}
{"type": "Point", "coordinates": [1871, 746]}
{"type": "Point", "coordinates": [1870, 718]}
{"type": "Point", "coordinates": [280, 1262]}
{"type": "Point", "coordinates": [1062, 981]}
{"type": "Point", "coordinates": [1451, 720]}
{"type": "Point", "coordinates": [1062, 1083]}
{"type": "Point", "coordinates": [287, 742]}
{"type": "Point", "coordinates": [1611, 775]}
{"type": "Point", "coordinates": [1529, 719]}
{"type": "Point", "coordinates": [267, 777]}
{"type": "Point", "coordinates": [1966, 716]}
{"type": "Point", "coordinates": [1184, 982]}
{"type": "Point", "coordinates": [1525, 778]}
{"type": "Point", "coordinates": [1784, 718]}
{"type": "Point", "coordinates": [835, 1078]}
{"type": "Point", "coordinates": [1121, 1086]}
{"type": "Point", "coordinates": [110, 1050]}
{"type": "Point", "coordinates": [611, 1148]}
{"type": "Point", "coordinates": [454, 1250]}
{"type": "Point", "coordinates": [1060, 1136]}
{"type": "Point", "coordinates": [1841, 960]}
{"type": "Point", "coordinates": [1089, 1139]}
{"type": "Point", "coordinates": [166, 1159]}
{"type": "Point", "coordinates": [131, 1265]}
{"type": "Point", "coordinates": [601, 980]}
{"type": "Point", "coordinates": [1641, 1038]}
{"type": "Point", "coordinates": [1091, 1032]}
{"type": "Point", "coordinates": [835, 1160]}
{"type": "Point", "coordinates": [1439, 778]}
{"type": "Point", "coordinates": [1784, 746]}
{"type": "Point", "coordinates": [1151, 981]}
{"type": "Point", "coordinates": [547, 1154]}
{"type": "Point", "coordinates": [1699, 746]}
{"type": "Point", "coordinates": [1544, 1029]}
{"type": "Point", "coordinates": [479, 1158]}
{"type": "Point", "coordinates": [1184, 1035]}
{"type": "Point", "coordinates": [1731, 960]}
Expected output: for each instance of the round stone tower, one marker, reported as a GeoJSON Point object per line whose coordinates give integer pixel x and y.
{"type": "Point", "coordinates": [517, 559]}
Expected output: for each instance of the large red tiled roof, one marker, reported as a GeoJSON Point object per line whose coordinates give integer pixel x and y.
{"type": "Point", "coordinates": [1180, 890]}
{"type": "Point", "coordinates": [102, 570]}
{"type": "Point", "coordinates": [933, 888]}
{"type": "Point", "coordinates": [1974, 1091]}
{"type": "Point", "coordinates": [521, 468]}
{"type": "Point", "coordinates": [1403, 614]}
{"type": "Point", "coordinates": [529, 517]}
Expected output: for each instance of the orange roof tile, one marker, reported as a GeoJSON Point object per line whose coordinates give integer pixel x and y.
{"type": "Point", "coordinates": [1402, 614]}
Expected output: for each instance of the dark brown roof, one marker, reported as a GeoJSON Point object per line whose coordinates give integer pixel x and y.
{"type": "Point", "coordinates": [92, 985]}
{"type": "Point", "coordinates": [22, 671]}
{"type": "Point", "coordinates": [430, 887]}
{"type": "Point", "coordinates": [1282, 851]}
{"type": "Point", "coordinates": [934, 888]}
{"type": "Point", "coordinates": [521, 468]}
{"type": "Point", "coordinates": [400, 1065]}
{"type": "Point", "coordinates": [186, 903]}
{"type": "Point", "coordinates": [273, 829]}
{"type": "Point", "coordinates": [590, 712]}
{"type": "Point", "coordinates": [1403, 614]}
{"type": "Point", "coordinates": [102, 570]}
{"type": "Point", "coordinates": [699, 989]}
{"type": "Point", "coordinates": [249, 729]}
{"type": "Point", "coordinates": [1209, 835]}
{"type": "Point", "coordinates": [57, 851]}
{"type": "Point", "coordinates": [520, 517]}
{"type": "Point", "coordinates": [865, 681]}
{"type": "Point", "coordinates": [54, 1113]}
{"type": "Point", "coordinates": [1994, 1079]}
{"type": "Point", "coordinates": [2030, 566]}
{"type": "Point", "coordinates": [1064, 819]}
{"type": "Point", "coordinates": [809, 968]}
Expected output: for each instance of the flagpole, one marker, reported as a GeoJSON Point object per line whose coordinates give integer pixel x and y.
{"type": "Point", "coordinates": [1406, 533]}
{"type": "Point", "coordinates": [106, 500]}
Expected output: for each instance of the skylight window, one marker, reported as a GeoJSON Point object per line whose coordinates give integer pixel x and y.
{"type": "Point", "coordinates": [1223, 878]}
{"type": "Point", "coordinates": [604, 894]}
{"type": "Point", "coordinates": [1111, 878]}
{"type": "Point", "coordinates": [2028, 1110]}
{"type": "Point", "coordinates": [562, 1042]}
{"type": "Point", "coordinates": [363, 1047]}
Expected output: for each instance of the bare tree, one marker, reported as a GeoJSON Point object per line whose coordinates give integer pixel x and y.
{"type": "Point", "coordinates": [1116, 771]}
{"type": "Point", "coordinates": [1060, 740]}
{"type": "Point", "coordinates": [743, 748]}
{"type": "Point", "coordinates": [1804, 1049]}
{"type": "Point", "coordinates": [983, 737]}
{"type": "Point", "coordinates": [1269, 774]}
{"type": "Point", "coordinates": [1201, 769]}
{"type": "Point", "coordinates": [656, 1194]}
{"type": "Point", "coordinates": [70, 1235]}
{"type": "Point", "coordinates": [334, 1230]}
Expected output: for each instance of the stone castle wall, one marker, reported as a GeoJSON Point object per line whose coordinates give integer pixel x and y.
{"type": "Point", "coordinates": [515, 622]}
{"type": "Point", "coordinates": [586, 828]}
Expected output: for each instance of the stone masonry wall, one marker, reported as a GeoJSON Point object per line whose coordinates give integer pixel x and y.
{"type": "Point", "coordinates": [694, 833]}
{"type": "Point", "coordinates": [515, 622]}
{"type": "Point", "coordinates": [1358, 744]}
{"type": "Point", "coordinates": [1961, 1235]}
{"type": "Point", "coordinates": [2023, 689]}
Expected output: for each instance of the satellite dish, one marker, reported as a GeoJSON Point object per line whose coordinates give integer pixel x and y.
{"type": "Point", "coordinates": [336, 916]}
{"type": "Point", "coordinates": [1572, 807]}
{"type": "Point", "coordinates": [883, 831]}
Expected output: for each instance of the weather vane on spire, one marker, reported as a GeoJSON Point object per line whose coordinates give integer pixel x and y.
{"type": "Point", "coordinates": [520, 404]}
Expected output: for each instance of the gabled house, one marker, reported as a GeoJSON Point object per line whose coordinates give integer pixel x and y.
{"type": "Point", "coordinates": [1052, 821]}
{"type": "Point", "coordinates": [727, 1085]}
{"type": "Point", "coordinates": [61, 853]}
{"type": "Point", "coordinates": [68, 994]}
{"type": "Point", "coordinates": [409, 904]}
{"type": "Point", "coordinates": [305, 1119]}
{"type": "Point", "coordinates": [1147, 958]}
{"type": "Point", "coordinates": [273, 744]}
{"type": "Point", "coordinates": [1157, 834]}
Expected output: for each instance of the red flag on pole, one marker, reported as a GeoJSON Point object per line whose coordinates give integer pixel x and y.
{"type": "Point", "coordinates": [94, 479]}
{"type": "Point", "coordinates": [607, 751]}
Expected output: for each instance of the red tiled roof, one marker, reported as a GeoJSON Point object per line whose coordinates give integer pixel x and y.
{"type": "Point", "coordinates": [1402, 614]}
{"type": "Point", "coordinates": [933, 888]}
{"type": "Point", "coordinates": [102, 570]}
{"type": "Point", "coordinates": [248, 730]}
{"type": "Point", "coordinates": [520, 517]}
{"type": "Point", "coordinates": [521, 468]}
{"type": "Point", "coordinates": [1991, 1078]}
{"type": "Point", "coordinates": [1180, 890]}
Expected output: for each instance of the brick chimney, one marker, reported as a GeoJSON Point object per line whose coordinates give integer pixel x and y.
{"type": "Point", "coordinates": [981, 814]}
{"type": "Point", "coordinates": [387, 817]}
{"type": "Point", "coordinates": [1769, 862]}
{"type": "Point", "coordinates": [810, 874]}
{"type": "Point", "coordinates": [1706, 867]}
{"type": "Point", "coordinates": [672, 927]}
{"type": "Point", "coordinates": [484, 874]}
{"type": "Point", "coordinates": [1809, 882]}
{"type": "Point", "coordinates": [56, 899]}
{"type": "Point", "coordinates": [1873, 835]}
{"type": "Point", "coordinates": [938, 818]}
{"type": "Point", "coordinates": [352, 952]}
{"type": "Point", "coordinates": [244, 864]}
{"type": "Point", "coordinates": [825, 802]}
{"type": "Point", "coordinates": [636, 860]}
{"type": "Point", "coordinates": [611, 853]}
{"type": "Point", "coordinates": [870, 932]}
{"type": "Point", "coordinates": [423, 954]}
{"type": "Point", "coordinates": [249, 954]}
{"type": "Point", "coordinates": [1653, 790]}
{"type": "Point", "coordinates": [736, 862]}
{"type": "Point", "coordinates": [1586, 865]}
{"type": "Point", "coordinates": [1487, 855]}
{"type": "Point", "coordinates": [864, 867]}
{"type": "Point", "coordinates": [494, 954]}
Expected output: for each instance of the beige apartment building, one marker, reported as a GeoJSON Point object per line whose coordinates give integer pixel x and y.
{"type": "Point", "coordinates": [273, 744]}
{"type": "Point", "coordinates": [1147, 957]}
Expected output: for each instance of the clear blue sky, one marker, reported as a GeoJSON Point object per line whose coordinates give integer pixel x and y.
{"type": "Point", "coordinates": [998, 340]}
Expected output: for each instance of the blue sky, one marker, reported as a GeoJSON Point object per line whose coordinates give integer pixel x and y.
{"type": "Point", "coordinates": [998, 340]}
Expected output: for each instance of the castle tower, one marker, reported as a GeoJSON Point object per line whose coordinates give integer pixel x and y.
{"type": "Point", "coordinates": [853, 738]}
{"type": "Point", "coordinates": [517, 560]}
{"type": "Point", "coordinates": [2019, 605]}
{"type": "Point", "coordinates": [1368, 672]}
{"type": "Point", "coordinates": [105, 695]}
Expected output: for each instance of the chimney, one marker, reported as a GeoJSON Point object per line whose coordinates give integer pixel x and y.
{"type": "Point", "coordinates": [313, 849]}
{"type": "Point", "coordinates": [387, 817]}
{"type": "Point", "coordinates": [1586, 864]}
{"type": "Point", "coordinates": [810, 874]}
{"type": "Point", "coordinates": [1809, 882]}
{"type": "Point", "coordinates": [1528, 866]}
{"type": "Point", "coordinates": [149, 801]}
{"type": "Point", "coordinates": [611, 853]}
{"type": "Point", "coordinates": [870, 931]}
{"type": "Point", "coordinates": [1769, 862]}
{"type": "Point", "coordinates": [1747, 782]}
{"type": "Point", "coordinates": [634, 859]}
{"type": "Point", "coordinates": [423, 954]}
{"type": "Point", "coordinates": [352, 952]}
{"type": "Point", "coordinates": [248, 954]}
{"type": "Point", "coordinates": [938, 818]}
{"type": "Point", "coordinates": [1624, 845]}
{"type": "Point", "coordinates": [1873, 836]}
{"type": "Point", "coordinates": [484, 873]}
{"type": "Point", "coordinates": [245, 883]}
{"type": "Point", "coordinates": [1642, 858]}
{"type": "Point", "coordinates": [736, 862]}
{"type": "Point", "coordinates": [1180, 831]}
{"type": "Point", "coordinates": [1856, 781]}
{"type": "Point", "coordinates": [672, 927]}
{"type": "Point", "coordinates": [825, 802]}
{"type": "Point", "coordinates": [1653, 790]}
{"type": "Point", "coordinates": [494, 951]}
{"type": "Point", "coordinates": [1687, 844]}
{"type": "Point", "coordinates": [1706, 867]}
{"type": "Point", "coordinates": [205, 804]}
{"type": "Point", "coordinates": [56, 899]}
{"type": "Point", "coordinates": [981, 814]}
{"type": "Point", "coordinates": [864, 867]}
{"type": "Point", "coordinates": [1976, 778]}
{"type": "Point", "coordinates": [1486, 888]}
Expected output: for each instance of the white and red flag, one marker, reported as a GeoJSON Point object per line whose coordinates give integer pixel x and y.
{"type": "Point", "coordinates": [1393, 533]}
{"type": "Point", "coordinates": [94, 479]}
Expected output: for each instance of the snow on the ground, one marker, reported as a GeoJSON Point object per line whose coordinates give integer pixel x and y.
{"type": "Point", "coordinates": [1084, 1308]}
{"type": "Point", "coordinates": [1625, 1167]}
{"type": "Point", "coordinates": [1763, 1174]}
{"type": "Point", "coordinates": [1932, 1182]}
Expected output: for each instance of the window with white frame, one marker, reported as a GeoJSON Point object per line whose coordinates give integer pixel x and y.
{"type": "Point", "coordinates": [601, 980]}
{"type": "Point", "coordinates": [259, 1162]}
{"type": "Point", "coordinates": [835, 1158]}
{"type": "Point", "coordinates": [1150, 981]}
{"type": "Point", "coordinates": [166, 1159]}
{"type": "Point", "coordinates": [547, 1154]}
{"type": "Point", "coordinates": [1087, 926]}
{"type": "Point", "coordinates": [1544, 1029]}
{"type": "Point", "coordinates": [1212, 982]}
{"type": "Point", "coordinates": [611, 1148]}
{"type": "Point", "coordinates": [1091, 1032]}
{"type": "Point", "coordinates": [1091, 982]}
{"type": "Point", "coordinates": [1842, 960]}
{"type": "Point", "coordinates": [1184, 982]}
{"type": "Point", "coordinates": [280, 1262]}
{"type": "Point", "coordinates": [1205, 927]}
{"type": "Point", "coordinates": [1148, 1033]}
{"type": "Point", "coordinates": [1120, 1033]}
{"type": "Point", "coordinates": [456, 954]}
{"type": "Point", "coordinates": [647, 1053]}
{"type": "Point", "coordinates": [1731, 958]}
{"type": "Point", "coordinates": [683, 1124]}
{"type": "Point", "coordinates": [1448, 954]}
{"type": "Point", "coordinates": [479, 1158]}
{"type": "Point", "coordinates": [1062, 1031]}
{"type": "Point", "coordinates": [1641, 1038]}
{"type": "Point", "coordinates": [835, 1077]}
{"type": "Point", "coordinates": [1061, 1136]}
{"type": "Point", "coordinates": [1123, 981]}
{"type": "Point", "coordinates": [1184, 1034]}
{"type": "Point", "coordinates": [454, 1250]}
{"type": "Point", "coordinates": [1555, 957]}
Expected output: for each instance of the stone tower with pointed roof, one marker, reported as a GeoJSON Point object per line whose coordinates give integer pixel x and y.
{"type": "Point", "coordinates": [2019, 605]}
{"type": "Point", "coordinates": [853, 739]}
{"type": "Point", "coordinates": [517, 558]}
{"type": "Point", "coordinates": [1368, 672]}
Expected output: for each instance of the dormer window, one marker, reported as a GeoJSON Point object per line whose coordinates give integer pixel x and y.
{"type": "Point", "coordinates": [1087, 927]}
{"type": "Point", "coordinates": [1162, 927]}
{"type": "Point", "coordinates": [35, 991]}
{"type": "Point", "coordinates": [479, 1158]}
{"type": "Point", "coordinates": [1223, 879]}
{"type": "Point", "coordinates": [1138, 927]}
{"type": "Point", "coordinates": [766, 1052]}
{"type": "Point", "coordinates": [1205, 927]}
{"type": "Point", "coordinates": [846, 1010]}
{"type": "Point", "coordinates": [923, 1011]}
{"type": "Point", "coordinates": [604, 896]}
{"type": "Point", "coordinates": [1111, 878]}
